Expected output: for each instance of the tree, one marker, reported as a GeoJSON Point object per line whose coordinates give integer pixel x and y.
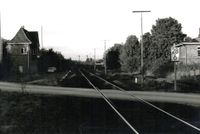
{"type": "Point", "coordinates": [148, 50]}
{"type": "Point", "coordinates": [189, 39]}
{"type": "Point", "coordinates": [165, 33]}
{"type": "Point", "coordinates": [49, 58]}
{"type": "Point", "coordinates": [112, 57]}
{"type": "Point", "coordinates": [6, 66]}
{"type": "Point", "coordinates": [130, 56]}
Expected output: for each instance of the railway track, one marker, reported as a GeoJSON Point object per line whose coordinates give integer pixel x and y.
{"type": "Point", "coordinates": [92, 80]}
{"type": "Point", "coordinates": [110, 104]}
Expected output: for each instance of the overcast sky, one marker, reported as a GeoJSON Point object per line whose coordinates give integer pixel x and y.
{"type": "Point", "coordinates": [76, 27]}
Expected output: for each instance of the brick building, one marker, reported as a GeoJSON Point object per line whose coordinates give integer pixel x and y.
{"type": "Point", "coordinates": [23, 50]}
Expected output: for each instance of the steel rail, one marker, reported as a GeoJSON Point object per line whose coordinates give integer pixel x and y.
{"type": "Point", "coordinates": [109, 103]}
{"type": "Point", "coordinates": [150, 104]}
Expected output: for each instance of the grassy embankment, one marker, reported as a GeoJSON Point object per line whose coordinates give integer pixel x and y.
{"type": "Point", "coordinates": [127, 81]}
{"type": "Point", "coordinates": [23, 113]}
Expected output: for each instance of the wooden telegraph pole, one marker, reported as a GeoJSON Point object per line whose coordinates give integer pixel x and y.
{"type": "Point", "coordinates": [1, 43]}
{"type": "Point", "coordinates": [142, 66]}
{"type": "Point", "coordinates": [105, 65]}
{"type": "Point", "coordinates": [42, 37]}
{"type": "Point", "coordinates": [94, 59]}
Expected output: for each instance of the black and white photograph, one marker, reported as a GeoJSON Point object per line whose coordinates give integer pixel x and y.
{"type": "Point", "coordinates": [99, 67]}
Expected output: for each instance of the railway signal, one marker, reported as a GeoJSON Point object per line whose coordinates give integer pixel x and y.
{"type": "Point", "coordinates": [175, 52]}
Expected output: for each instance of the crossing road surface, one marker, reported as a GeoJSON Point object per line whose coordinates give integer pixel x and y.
{"type": "Point", "coordinates": [179, 98]}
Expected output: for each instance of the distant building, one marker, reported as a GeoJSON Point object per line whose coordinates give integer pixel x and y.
{"type": "Point", "coordinates": [198, 38]}
{"type": "Point", "coordinates": [23, 50]}
{"type": "Point", "coordinates": [189, 53]}
{"type": "Point", "coordinates": [189, 59]}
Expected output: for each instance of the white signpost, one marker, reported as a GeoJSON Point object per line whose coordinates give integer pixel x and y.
{"type": "Point", "coordinates": [175, 53]}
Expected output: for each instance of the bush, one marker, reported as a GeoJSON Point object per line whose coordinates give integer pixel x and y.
{"type": "Point", "coordinates": [189, 84]}
{"type": "Point", "coordinates": [153, 85]}
{"type": "Point", "coordinates": [164, 69]}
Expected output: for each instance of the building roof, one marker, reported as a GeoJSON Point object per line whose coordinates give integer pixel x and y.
{"type": "Point", "coordinates": [187, 43]}
{"type": "Point", "coordinates": [25, 37]}
{"type": "Point", "coordinates": [20, 37]}
{"type": "Point", "coordinates": [33, 37]}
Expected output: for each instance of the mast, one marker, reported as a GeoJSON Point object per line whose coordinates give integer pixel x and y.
{"type": "Point", "coordinates": [1, 43]}
{"type": "Point", "coordinates": [42, 37]}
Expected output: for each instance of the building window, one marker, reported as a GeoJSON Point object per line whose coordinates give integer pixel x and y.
{"type": "Point", "coordinates": [24, 50]}
{"type": "Point", "coordinates": [198, 50]}
{"type": "Point", "coordinates": [34, 52]}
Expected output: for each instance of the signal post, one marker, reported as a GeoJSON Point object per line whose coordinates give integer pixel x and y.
{"type": "Point", "coordinates": [175, 58]}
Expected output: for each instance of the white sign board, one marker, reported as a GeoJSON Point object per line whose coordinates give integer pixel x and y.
{"type": "Point", "coordinates": [175, 52]}
{"type": "Point", "coordinates": [21, 69]}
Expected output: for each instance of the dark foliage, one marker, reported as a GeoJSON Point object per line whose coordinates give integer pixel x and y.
{"type": "Point", "coordinates": [157, 45]}
{"type": "Point", "coordinates": [112, 57]}
{"type": "Point", "coordinates": [130, 56]}
{"type": "Point", "coordinates": [165, 33]}
{"type": "Point", "coordinates": [6, 65]}
{"type": "Point", "coordinates": [50, 58]}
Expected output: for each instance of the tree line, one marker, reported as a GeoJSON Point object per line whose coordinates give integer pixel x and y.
{"type": "Point", "coordinates": [46, 58]}
{"type": "Point", "coordinates": [51, 58]}
{"type": "Point", "coordinates": [157, 43]}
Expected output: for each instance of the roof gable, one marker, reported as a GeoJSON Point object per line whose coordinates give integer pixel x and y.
{"type": "Point", "coordinates": [20, 38]}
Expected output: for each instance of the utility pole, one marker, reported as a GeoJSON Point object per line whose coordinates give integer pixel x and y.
{"type": "Point", "coordinates": [79, 57]}
{"type": "Point", "coordinates": [41, 36]}
{"type": "Point", "coordinates": [142, 63]}
{"type": "Point", "coordinates": [175, 71]}
{"type": "Point", "coordinates": [1, 43]}
{"type": "Point", "coordinates": [28, 57]}
{"type": "Point", "coordinates": [94, 59]}
{"type": "Point", "coordinates": [105, 65]}
{"type": "Point", "coordinates": [87, 58]}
